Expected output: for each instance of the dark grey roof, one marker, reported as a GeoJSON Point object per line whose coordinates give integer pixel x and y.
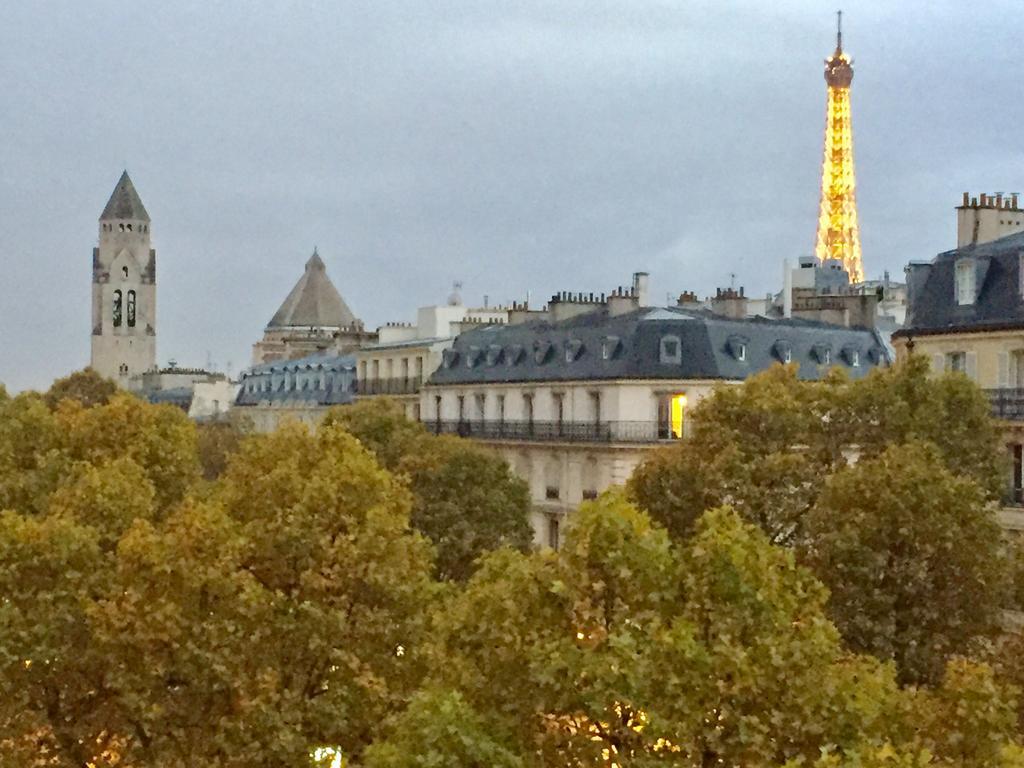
{"type": "Point", "coordinates": [179, 396]}
{"type": "Point", "coordinates": [124, 202]}
{"type": "Point", "coordinates": [266, 384]}
{"type": "Point", "coordinates": [596, 346]}
{"type": "Point", "coordinates": [314, 302]}
{"type": "Point", "coordinates": [931, 303]}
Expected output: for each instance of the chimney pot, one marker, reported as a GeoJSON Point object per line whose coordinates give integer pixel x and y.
{"type": "Point", "coordinates": [967, 199]}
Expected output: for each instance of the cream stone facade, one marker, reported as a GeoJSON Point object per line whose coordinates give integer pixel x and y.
{"type": "Point", "coordinates": [574, 400]}
{"type": "Point", "coordinates": [405, 354]}
{"type": "Point", "coordinates": [124, 290]}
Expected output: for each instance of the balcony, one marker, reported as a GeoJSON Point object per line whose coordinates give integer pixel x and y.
{"type": "Point", "coordinates": [555, 431]}
{"type": "Point", "coordinates": [1007, 404]}
{"type": "Point", "coordinates": [408, 386]}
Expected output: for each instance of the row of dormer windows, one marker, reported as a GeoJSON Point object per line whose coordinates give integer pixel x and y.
{"type": "Point", "coordinates": [289, 382]}
{"type": "Point", "coordinates": [670, 352]}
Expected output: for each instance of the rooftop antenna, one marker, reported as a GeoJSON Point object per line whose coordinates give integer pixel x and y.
{"type": "Point", "coordinates": [839, 30]}
{"type": "Point", "coordinates": [732, 279]}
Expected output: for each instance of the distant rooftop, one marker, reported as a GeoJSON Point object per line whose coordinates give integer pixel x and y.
{"type": "Point", "coordinates": [124, 202]}
{"type": "Point", "coordinates": [314, 302]}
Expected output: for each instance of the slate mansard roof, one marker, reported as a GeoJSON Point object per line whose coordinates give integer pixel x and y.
{"type": "Point", "coordinates": [312, 380]}
{"type": "Point", "coordinates": [639, 345]}
{"type": "Point", "coordinates": [124, 202]}
{"type": "Point", "coordinates": [314, 302]}
{"type": "Point", "coordinates": [998, 303]}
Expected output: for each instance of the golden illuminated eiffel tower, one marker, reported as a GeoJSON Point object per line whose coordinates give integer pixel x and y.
{"type": "Point", "coordinates": [838, 233]}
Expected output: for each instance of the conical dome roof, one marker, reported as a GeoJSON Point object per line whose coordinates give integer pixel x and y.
{"type": "Point", "coordinates": [125, 202]}
{"type": "Point", "coordinates": [314, 302]}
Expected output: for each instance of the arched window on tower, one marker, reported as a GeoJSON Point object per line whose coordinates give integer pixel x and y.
{"type": "Point", "coordinates": [131, 309]}
{"type": "Point", "coordinates": [117, 308]}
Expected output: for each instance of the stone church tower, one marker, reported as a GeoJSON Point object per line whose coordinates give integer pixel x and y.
{"type": "Point", "coordinates": [124, 290]}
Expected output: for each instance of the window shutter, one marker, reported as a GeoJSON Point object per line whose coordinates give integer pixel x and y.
{"type": "Point", "coordinates": [938, 363]}
{"type": "Point", "coordinates": [972, 366]}
{"type": "Point", "coordinates": [1004, 370]}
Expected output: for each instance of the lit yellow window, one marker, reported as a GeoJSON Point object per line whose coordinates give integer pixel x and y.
{"type": "Point", "coordinates": [677, 410]}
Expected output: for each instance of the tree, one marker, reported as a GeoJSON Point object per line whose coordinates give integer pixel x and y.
{"type": "Point", "coordinates": [216, 443]}
{"type": "Point", "coordinates": [285, 610]}
{"type": "Point", "coordinates": [466, 500]}
{"type": "Point", "coordinates": [85, 386]}
{"type": "Point", "coordinates": [327, 530]}
{"type": "Point", "coordinates": [906, 403]}
{"type": "Point", "coordinates": [39, 448]}
{"type": "Point", "coordinates": [380, 424]}
{"type": "Point", "coordinates": [912, 556]}
{"type": "Point", "coordinates": [440, 729]}
{"type": "Point", "coordinates": [619, 649]}
{"type": "Point", "coordinates": [764, 446]}
{"type": "Point", "coordinates": [760, 447]}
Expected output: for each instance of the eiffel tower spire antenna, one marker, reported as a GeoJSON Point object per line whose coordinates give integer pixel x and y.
{"type": "Point", "coordinates": [838, 235]}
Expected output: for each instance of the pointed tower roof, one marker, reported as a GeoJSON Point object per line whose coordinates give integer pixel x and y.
{"type": "Point", "coordinates": [313, 302]}
{"type": "Point", "coordinates": [125, 203]}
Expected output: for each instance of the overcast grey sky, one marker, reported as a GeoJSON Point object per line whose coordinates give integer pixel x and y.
{"type": "Point", "coordinates": [529, 145]}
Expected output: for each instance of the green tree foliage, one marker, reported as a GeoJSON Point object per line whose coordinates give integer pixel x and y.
{"type": "Point", "coordinates": [85, 386]}
{"type": "Point", "coordinates": [620, 648]}
{"type": "Point", "coordinates": [764, 446]}
{"type": "Point", "coordinates": [151, 619]}
{"type": "Point", "coordinates": [39, 448]}
{"type": "Point", "coordinates": [381, 426]}
{"type": "Point", "coordinates": [284, 611]}
{"type": "Point", "coordinates": [466, 500]}
{"type": "Point", "coordinates": [912, 556]}
{"type": "Point", "coordinates": [440, 730]}
{"type": "Point", "coordinates": [216, 442]}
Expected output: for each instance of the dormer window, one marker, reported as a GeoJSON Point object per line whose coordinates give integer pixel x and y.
{"type": "Point", "coordinates": [514, 354]}
{"type": "Point", "coordinates": [852, 356]}
{"type": "Point", "coordinates": [737, 346]}
{"type": "Point", "coordinates": [783, 351]}
{"type": "Point", "coordinates": [1020, 274]}
{"type": "Point", "coordinates": [823, 354]}
{"type": "Point", "coordinates": [472, 357]}
{"type": "Point", "coordinates": [541, 351]}
{"type": "Point", "coordinates": [964, 287]}
{"type": "Point", "coordinates": [610, 346]}
{"type": "Point", "coordinates": [449, 358]}
{"type": "Point", "coordinates": [573, 350]}
{"type": "Point", "coordinates": [671, 350]}
{"type": "Point", "coordinates": [494, 352]}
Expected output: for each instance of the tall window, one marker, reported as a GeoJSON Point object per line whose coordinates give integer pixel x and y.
{"type": "Point", "coordinates": [501, 409]}
{"type": "Point", "coordinates": [528, 411]}
{"type": "Point", "coordinates": [553, 533]}
{"type": "Point", "coordinates": [117, 308]}
{"type": "Point", "coordinates": [1017, 481]}
{"type": "Point", "coordinates": [671, 416]}
{"type": "Point", "coordinates": [957, 362]}
{"type": "Point", "coordinates": [964, 282]}
{"type": "Point", "coordinates": [131, 309]}
{"type": "Point", "coordinates": [559, 399]}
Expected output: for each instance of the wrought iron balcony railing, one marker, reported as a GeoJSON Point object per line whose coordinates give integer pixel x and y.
{"type": "Point", "coordinates": [408, 386]}
{"type": "Point", "coordinates": [555, 431]}
{"type": "Point", "coordinates": [1006, 403]}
